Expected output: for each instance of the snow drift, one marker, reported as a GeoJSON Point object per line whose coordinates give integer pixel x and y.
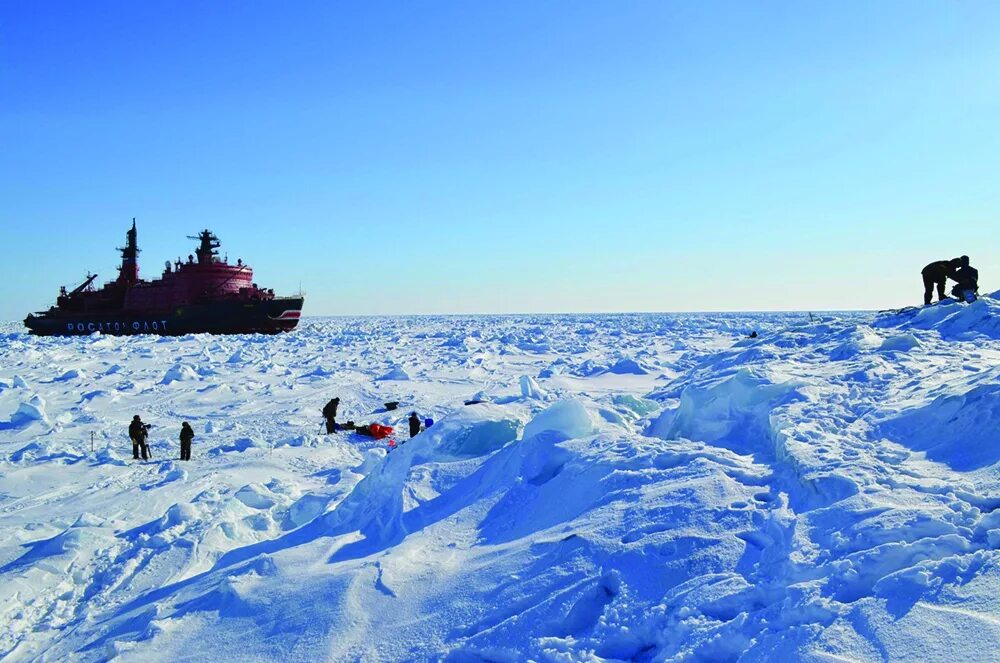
{"type": "Point", "coordinates": [826, 491]}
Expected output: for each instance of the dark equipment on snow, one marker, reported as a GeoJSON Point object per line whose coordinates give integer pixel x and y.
{"type": "Point", "coordinates": [391, 405]}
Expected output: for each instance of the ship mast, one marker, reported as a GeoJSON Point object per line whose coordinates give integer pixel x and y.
{"type": "Point", "coordinates": [207, 250]}
{"type": "Point", "coordinates": [128, 273]}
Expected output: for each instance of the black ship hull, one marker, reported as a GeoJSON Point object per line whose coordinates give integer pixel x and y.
{"type": "Point", "coordinates": [227, 317]}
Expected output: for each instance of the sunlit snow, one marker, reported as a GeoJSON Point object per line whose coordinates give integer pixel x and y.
{"type": "Point", "coordinates": [630, 488]}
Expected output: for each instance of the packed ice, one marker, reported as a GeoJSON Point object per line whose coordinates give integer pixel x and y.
{"type": "Point", "coordinates": [590, 488]}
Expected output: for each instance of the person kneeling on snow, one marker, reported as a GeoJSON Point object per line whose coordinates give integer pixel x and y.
{"type": "Point", "coordinates": [187, 434]}
{"type": "Point", "coordinates": [968, 282]}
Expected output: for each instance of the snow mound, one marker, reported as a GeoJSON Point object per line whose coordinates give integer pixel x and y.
{"type": "Point", "coordinates": [239, 357]}
{"type": "Point", "coordinates": [107, 456]}
{"type": "Point", "coordinates": [300, 441]}
{"type": "Point", "coordinates": [734, 410]}
{"type": "Point", "coordinates": [394, 373]}
{"type": "Point", "coordinates": [87, 519]}
{"type": "Point", "coordinates": [929, 317]}
{"type": "Point", "coordinates": [71, 374]}
{"type": "Point", "coordinates": [58, 554]}
{"type": "Point", "coordinates": [960, 430]}
{"type": "Point", "coordinates": [178, 514]}
{"type": "Point", "coordinates": [256, 496]}
{"type": "Point", "coordinates": [568, 417]}
{"type": "Point", "coordinates": [981, 317]}
{"type": "Point", "coordinates": [952, 319]}
{"type": "Point", "coordinates": [46, 451]}
{"type": "Point", "coordinates": [318, 372]}
{"type": "Point", "coordinates": [179, 373]}
{"type": "Point", "coordinates": [628, 366]}
{"type": "Point", "coordinates": [588, 368]}
{"type": "Point", "coordinates": [861, 341]}
{"type": "Point", "coordinates": [371, 459]}
{"type": "Point", "coordinates": [468, 433]}
{"type": "Point", "coordinates": [174, 474]}
{"type": "Point", "coordinates": [238, 445]}
{"type": "Point", "coordinates": [304, 510]}
{"type": "Point", "coordinates": [530, 389]}
{"type": "Point", "coordinates": [640, 407]}
{"type": "Point", "coordinates": [900, 343]}
{"type": "Point", "coordinates": [28, 412]}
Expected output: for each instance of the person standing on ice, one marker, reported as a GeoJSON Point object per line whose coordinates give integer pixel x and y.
{"type": "Point", "coordinates": [187, 434]}
{"type": "Point", "coordinates": [414, 424]}
{"type": "Point", "coordinates": [937, 274]}
{"type": "Point", "coordinates": [138, 431]}
{"type": "Point", "coordinates": [330, 414]}
{"type": "Point", "coordinates": [968, 281]}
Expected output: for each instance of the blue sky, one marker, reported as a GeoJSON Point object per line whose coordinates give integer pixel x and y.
{"type": "Point", "coordinates": [428, 157]}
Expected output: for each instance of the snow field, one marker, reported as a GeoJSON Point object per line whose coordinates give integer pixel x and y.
{"type": "Point", "coordinates": [642, 488]}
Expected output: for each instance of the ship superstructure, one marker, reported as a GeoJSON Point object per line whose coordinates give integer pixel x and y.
{"type": "Point", "coordinates": [204, 294]}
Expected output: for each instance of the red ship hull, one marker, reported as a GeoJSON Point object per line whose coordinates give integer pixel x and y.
{"type": "Point", "coordinates": [266, 317]}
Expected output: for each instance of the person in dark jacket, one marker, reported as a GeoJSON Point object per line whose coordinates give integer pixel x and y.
{"type": "Point", "coordinates": [414, 424]}
{"type": "Point", "coordinates": [937, 274]}
{"type": "Point", "coordinates": [968, 281]}
{"type": "Point", "coordinates": [138, 431]}
{"type": "Point", "coordinates": [330, 414]}
{"type": "Point", "coordinates": [187, 434]}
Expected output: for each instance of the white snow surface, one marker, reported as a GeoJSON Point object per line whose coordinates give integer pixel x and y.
{"type": "Point", "coordinates": [633, 488]}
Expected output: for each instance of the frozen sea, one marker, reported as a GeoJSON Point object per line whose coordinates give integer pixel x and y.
{"type": "Point", "coordinates": [632, 488]}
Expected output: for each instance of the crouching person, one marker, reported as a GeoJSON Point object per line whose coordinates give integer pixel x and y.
{"type": "Point", "coordinates": [967, 276]}
{"type": "Point", "coordinates": [187, 434]}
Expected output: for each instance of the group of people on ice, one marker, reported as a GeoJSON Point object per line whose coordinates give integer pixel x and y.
{"type": "Point", "coordinates": [138, 431]}
{"type": "Point", "coordinates": [378, 431]}
{"type": "Point", "coordinates": [935, 276]}
{"type": "Point", "coordinates": [965, 276]}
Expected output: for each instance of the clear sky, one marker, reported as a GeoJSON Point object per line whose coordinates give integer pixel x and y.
{"type": "Point", "coordinates": [429, 157]}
